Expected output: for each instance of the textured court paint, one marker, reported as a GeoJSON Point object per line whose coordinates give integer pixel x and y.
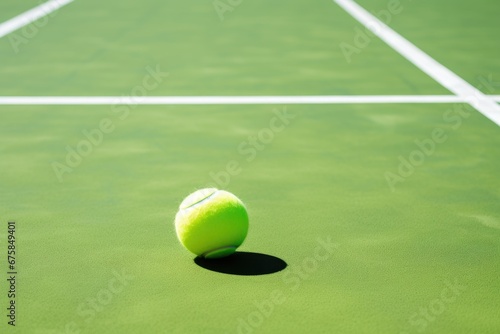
{"type": "Point", "coordinates": [322, 176]}
{"type": "Point", "coordinates": [292, 54]}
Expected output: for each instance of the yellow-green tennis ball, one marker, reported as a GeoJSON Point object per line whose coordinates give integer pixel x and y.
{"type": "Point", "coordinates": [211, 223]}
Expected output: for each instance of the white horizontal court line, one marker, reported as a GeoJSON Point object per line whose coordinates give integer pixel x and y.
{"type": "Point", "coordinates": [424, 62]}
{"type": "Point", "coordinates": [235, 100]}
{"type": "Point", "coordinates": [31, 15]}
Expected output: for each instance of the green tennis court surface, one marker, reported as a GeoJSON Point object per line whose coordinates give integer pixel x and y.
{"type": "Point", "coordinates": [364, 217]}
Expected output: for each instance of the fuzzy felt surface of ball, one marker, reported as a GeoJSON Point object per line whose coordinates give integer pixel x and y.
{"type": "Point", "coordinates": [211, 223]}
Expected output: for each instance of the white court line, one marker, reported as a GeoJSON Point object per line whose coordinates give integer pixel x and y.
{"type": "Point", "coordinates": [424, 62]}
{"type": "Point", "coordinates": [235, 100]}
{"type": "Point", "coordinates": [31, 16]}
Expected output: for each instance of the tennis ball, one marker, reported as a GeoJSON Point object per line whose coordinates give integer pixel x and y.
{"type": "Point", "coordinates": [211, 223]}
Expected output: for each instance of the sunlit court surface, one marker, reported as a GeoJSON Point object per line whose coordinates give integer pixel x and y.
{"type": "Point", "coordinates": [361, 139]}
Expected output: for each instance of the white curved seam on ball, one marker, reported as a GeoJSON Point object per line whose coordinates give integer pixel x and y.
{"type": "Point", "coordinates": [200, 202]}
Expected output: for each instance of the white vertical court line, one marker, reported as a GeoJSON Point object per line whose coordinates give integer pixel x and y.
{"type": "Point", "coordinates": [31, 16]}
{"type": "Point", "coordinates": [485, 105]}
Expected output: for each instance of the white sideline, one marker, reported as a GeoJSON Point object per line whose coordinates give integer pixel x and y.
{"type": "Point", "coordinates": [424, 62]}
{"type": "Point", "coordinates": [221, 100]}
{"type": "Point", "coordinates": [31, 15]}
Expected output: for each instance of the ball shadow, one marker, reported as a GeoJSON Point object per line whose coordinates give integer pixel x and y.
{"type": "Point", "coordinates": [244, 264]}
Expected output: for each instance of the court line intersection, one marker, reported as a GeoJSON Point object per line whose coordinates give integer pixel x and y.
{"type": "Point", "coordinates": [441, 74]}
{"type": "Point", "coordinates": [464, 92]}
